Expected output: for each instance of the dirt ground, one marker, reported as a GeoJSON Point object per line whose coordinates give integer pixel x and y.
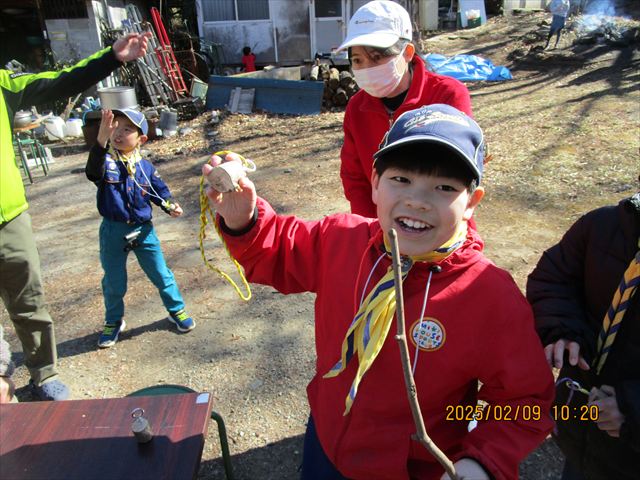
{"type": "Point", "coordinates": [564, 135]}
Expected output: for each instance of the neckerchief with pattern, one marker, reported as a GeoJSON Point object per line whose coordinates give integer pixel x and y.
{"type": "Point", "coordinates": [370, 326]}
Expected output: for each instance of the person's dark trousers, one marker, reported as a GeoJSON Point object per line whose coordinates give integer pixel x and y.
{"type": "Point", "coordinates": [315, 463]}
{"type": "Point", "coordinates": [23, 296]}
{"type": "Point", "coordinates": [571, 473]}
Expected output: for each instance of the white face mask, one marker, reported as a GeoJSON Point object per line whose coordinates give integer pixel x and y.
{"type": "Point", "coordinates": [381, 80]}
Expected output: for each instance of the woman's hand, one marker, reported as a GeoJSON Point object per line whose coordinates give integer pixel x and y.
{"type": "Point", "coordinates": [235, 207]}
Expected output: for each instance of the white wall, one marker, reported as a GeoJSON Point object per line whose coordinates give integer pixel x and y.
{"type": "Point", "coordinates": [283, 38]}
{"type": "Point", "coordinates": [509, 5]}
{"type": "Point", "coordinates": [74, 38]}
{"type": "Point", "coordinates": [257, 34]}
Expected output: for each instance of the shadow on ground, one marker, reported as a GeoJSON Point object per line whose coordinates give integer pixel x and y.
{"type": "Point", "coordinates": [275, 461]}
{"type": "Point", "coordinates": [545, 463]}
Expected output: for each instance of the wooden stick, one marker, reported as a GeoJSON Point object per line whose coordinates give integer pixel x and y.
{"type": "Point", "coordinates": [410, 383]}
{"type": "Point", "coordinates": [70, 104]}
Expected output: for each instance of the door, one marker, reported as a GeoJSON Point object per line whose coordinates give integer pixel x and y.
{"type": "Point", "coordinates": [328, 25]}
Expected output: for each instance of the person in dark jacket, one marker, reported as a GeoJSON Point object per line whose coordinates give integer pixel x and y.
{"type": "Point", "coordinates": [20, 279]}
{"type": "Point", "coordinates": [127, 186]}
{"type": "Point", "coordinates": [587, 309]}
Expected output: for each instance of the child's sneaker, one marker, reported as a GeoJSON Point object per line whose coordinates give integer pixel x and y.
{"type": "Point", "coordinates": [109, 335]}
{"type": "Point", "coordinates": [182, 320]}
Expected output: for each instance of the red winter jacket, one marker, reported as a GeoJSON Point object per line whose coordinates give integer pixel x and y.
{"type": "Point", "coordinates": [487, 336]}
{"type": "Point", "coordinates": [366, 120]}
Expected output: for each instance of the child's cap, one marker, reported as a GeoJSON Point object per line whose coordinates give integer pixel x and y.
{"type": "Point", "coordinates": [441, 124]}
{"type": "Point", "coordinates": [378, 24]}
{"type": "Point", "coordinates": [138, 118]}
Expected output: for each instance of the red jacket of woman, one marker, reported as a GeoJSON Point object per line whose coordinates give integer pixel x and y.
{"type": "Point", "coordinates": [366, 120]}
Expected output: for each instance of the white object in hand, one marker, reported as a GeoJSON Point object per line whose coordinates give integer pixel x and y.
{"type": "Point", "coordinates": [224, 178]}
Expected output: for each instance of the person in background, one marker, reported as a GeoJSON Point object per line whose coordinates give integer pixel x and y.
{"type": "Point", "coordinates": [248, 60]}
{"type": "Point", "coordinates": [559, 9]}
{"type": "Point", "coordinates": [392, 80]}
{"type": "Point", "coordinates": [584, 293]}
{"type": "Point", "coordinates": [20, 278]}
{"type": "Point", "coordinates": [127, 186]}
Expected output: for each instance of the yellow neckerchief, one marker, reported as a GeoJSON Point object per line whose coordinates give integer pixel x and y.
{"type": "Point", "coordinates": [370, 327]}
{"type": "Point", "coordinates": [129, 160]}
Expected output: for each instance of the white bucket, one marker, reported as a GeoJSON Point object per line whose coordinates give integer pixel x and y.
{"type": "Point", "coordinates": [54, 128]}
{"type": "Point", "coordinates": [74, 127]}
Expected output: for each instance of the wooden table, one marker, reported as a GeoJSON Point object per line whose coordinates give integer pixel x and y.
{"type": "Point", "coordinates": [27, 128]}
{"type": "Point", "coordinates": [92, 439]}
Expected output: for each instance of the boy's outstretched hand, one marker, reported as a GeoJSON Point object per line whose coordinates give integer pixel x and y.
{"type": "Point", "coordinates": [235, 207]}
{"type": "Point", "coordinates": [107, 126]}
{"type": "Point", "coordinates": [131, 46]}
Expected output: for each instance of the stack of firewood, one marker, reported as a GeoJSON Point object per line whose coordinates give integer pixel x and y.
{"type": "Point", "coordinates": [339, 87]}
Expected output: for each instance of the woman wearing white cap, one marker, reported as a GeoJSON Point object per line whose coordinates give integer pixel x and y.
{"type": "Point", "coordinates": [393, 80]}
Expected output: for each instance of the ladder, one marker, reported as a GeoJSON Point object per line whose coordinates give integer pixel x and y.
{"type": "Point", "coordinates": [166, 57]}
{"type": "Point", "coordinates": [151, 71]}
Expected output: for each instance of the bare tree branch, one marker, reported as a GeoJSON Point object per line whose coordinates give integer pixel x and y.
{"type": "Point", "coordinates": [410, 383]}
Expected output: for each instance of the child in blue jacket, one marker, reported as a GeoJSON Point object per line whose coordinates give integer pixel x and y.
{"type": "Point", "coordinates": [127, 184]}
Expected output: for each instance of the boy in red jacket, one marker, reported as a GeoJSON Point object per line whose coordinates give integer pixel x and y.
{"type": "Point", "coordinates": [467, 321]}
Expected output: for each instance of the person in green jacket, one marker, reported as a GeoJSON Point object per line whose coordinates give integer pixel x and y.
{"type": "Point", "coordinates": [20, 280]}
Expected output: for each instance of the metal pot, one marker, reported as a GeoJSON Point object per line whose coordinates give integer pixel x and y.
{"type": "Point", "coordinates": [22, 118]}
{"type": "Point", "coordinates": [117, 98]}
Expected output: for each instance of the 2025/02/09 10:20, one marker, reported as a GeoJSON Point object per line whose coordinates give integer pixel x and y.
{"type": "Point", "coordinates": [520, 412]}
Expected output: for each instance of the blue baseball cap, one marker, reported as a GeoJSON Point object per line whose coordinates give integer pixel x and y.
{"type": "Point", "coordinates": [440, 124]}
{"type": "Point", "coordinates": [138, 118]}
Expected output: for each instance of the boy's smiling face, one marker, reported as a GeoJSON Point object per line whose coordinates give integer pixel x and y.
{"type": "Point", "coordinates": [126, 136]}
{"type": "Point", "coordinates": [425, 210]}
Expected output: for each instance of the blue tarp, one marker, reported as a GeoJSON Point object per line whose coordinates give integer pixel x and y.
{"type": "Point", "coordinates": [466, 68]}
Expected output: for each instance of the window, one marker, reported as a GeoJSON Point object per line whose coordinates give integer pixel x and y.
{"type": "Point", "coordinates": [64, 9]}
{"type": "Point", "coordinates": [225, 10]}
{"type": "Point", "coordinates": [328, 8]}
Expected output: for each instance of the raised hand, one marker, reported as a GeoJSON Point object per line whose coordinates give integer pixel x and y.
{"type": "Point", "coordinates": [131, 46]}
{"type": "Point", "coordinates": [235, 207]}
{"type": "Point", "coordinates": [107, 126]}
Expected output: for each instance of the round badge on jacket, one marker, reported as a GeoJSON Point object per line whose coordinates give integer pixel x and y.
{"type": "Point", "coordinates": [428, 334]}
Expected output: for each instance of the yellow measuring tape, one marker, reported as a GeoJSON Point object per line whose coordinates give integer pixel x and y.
{"type": "Point", "coordinates": [205, 209]}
